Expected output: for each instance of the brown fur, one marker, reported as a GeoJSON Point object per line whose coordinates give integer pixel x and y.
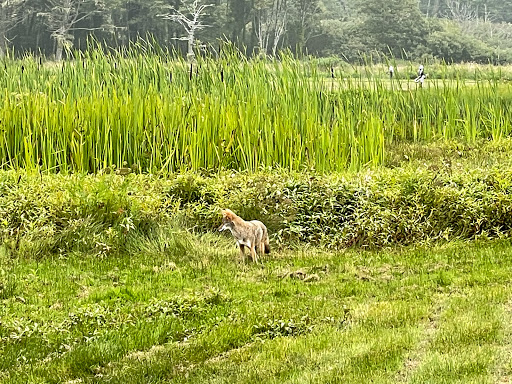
{"type": "Point", "coordinates": [251, 234]}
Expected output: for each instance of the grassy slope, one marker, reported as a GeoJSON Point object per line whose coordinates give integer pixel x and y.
{"type": "Point", "coordinates": [411, 316]}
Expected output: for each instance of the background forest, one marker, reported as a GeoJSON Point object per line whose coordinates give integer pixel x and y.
{"type": "Point", "coordinates": [455, 31]}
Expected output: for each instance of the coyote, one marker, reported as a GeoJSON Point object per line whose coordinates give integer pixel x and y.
{"type": "Point", "coordinates": [251, 234]}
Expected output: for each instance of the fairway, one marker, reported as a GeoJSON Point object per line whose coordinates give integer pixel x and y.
{"type": "Point", "coordinates": [194, 314]}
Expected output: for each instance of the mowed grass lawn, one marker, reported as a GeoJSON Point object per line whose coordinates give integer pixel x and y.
{"type": "Point", "coordinates": [185, 311]}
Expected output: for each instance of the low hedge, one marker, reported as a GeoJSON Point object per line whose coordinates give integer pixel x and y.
{"type": "Point", "coordinates": [58, 213]}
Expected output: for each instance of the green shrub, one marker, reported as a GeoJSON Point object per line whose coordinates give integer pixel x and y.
{"type": "Point", "coordinates": [109, 214]}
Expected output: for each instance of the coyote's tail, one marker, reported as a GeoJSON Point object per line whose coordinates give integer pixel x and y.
{"type": "Point", "coordinates": [267, 245]}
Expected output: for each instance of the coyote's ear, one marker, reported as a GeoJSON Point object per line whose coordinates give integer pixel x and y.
{"type": "Point", "coordinates": [228, 214]}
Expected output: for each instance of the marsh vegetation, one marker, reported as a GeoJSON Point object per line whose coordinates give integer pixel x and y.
{"type": "Point", "coordinates": [150, 111]}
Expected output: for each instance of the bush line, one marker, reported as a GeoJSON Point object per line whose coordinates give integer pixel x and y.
{"type": "Point", "coordinates": [52, 214]}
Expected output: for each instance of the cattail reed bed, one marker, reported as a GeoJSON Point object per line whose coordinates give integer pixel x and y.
{"type": "Point", "coordinates": [153, 112]}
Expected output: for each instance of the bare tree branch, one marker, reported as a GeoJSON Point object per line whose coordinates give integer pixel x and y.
{"type": "Point", "coordinates": [10, 16]}
{"type": "Point", "coordinates": [461, 12]}
{"type": "Point", "coordinates": [270, 23]}
{"type": "Point", "coordinates": [61, 19]}
{"type": "Point", "coordinates": [190, 21]}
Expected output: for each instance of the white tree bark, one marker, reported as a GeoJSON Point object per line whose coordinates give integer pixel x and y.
{"type": "Point", "coordinates": [191, 22]}
{"type": "Point", "coordinates": [269, 23]}
{"type": "Point", "coordinates": [465, 15]}
{"type": "Point", "coordinates": [10, 16]}
{"type": "Point", "coordinates": [61, 18]}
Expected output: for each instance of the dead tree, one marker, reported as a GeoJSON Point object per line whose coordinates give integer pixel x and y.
{"type": "Point", "coordinates": [191, 22]}
{"type": "Point", "coordinates": [62, 17]}
{"type": "Point", "coordinates": [10, 15]}
{"type": "Point", "coordinates": [463, 14]}
{"type": "Point", "coordinates": [270, 22]}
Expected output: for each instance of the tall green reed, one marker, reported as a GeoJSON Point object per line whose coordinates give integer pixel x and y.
{"type": "Point", "coordinates": [145, 108]}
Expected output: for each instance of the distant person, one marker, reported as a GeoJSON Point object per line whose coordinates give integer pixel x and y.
{"type": "Point", "coordinates": [421, 75]}
{"type": "Point", "coordinates": [421, 71]}
{"type": "Point", "coordinates": [391, 71]}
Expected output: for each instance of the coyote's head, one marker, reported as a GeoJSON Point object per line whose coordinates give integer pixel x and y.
{"type": "Point", "coordinates": [227, 220]}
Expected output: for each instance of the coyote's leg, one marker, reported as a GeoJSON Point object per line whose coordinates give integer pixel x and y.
{"type": "Point", "coordinates": [242, 253]}
{"type": "Point", "coordinates": [261, 249]}
{"type": "Point", "coordinates": [253, 253]}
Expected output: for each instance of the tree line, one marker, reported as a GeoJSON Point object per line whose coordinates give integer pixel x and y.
{"type": "Point", "coordinates": [451, 30]}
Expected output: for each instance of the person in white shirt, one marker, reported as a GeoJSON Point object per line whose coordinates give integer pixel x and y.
{"type": "Point", "coordinates": [421, 75]}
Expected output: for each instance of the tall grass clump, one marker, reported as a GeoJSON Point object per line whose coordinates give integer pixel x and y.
{"type": "Point", "coordinates": [151, 111]}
